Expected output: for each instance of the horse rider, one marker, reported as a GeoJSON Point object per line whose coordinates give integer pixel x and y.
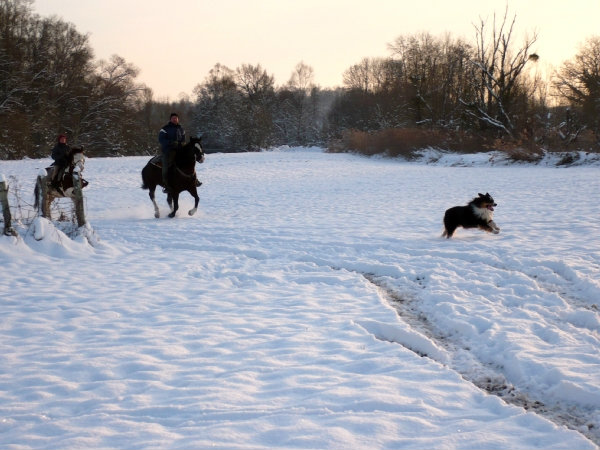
{"type": "Point", "coordinates": [170, 137]}
{"type": "Point", "coordinates": [60, 155]}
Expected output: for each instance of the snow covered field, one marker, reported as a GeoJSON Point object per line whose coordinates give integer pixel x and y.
{"type": "Point", "coordinates": [309, 304]}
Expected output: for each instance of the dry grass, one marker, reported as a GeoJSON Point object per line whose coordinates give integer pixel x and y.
{"type": "Point", "coordinates": [405, 142]}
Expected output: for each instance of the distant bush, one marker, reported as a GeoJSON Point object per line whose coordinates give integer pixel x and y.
{"type": "Point", "coordinates": [558, 140]}
{"type": "Point", "coordinates": [404, 142]}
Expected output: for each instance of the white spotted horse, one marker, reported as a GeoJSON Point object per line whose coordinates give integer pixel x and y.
{"type": "Point", "coordinates": [181, 176]}
{"type": "Point", "coordinates": [65, 187]}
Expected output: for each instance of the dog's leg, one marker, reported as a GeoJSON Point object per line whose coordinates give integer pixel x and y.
{"type": "Point", "coordinates": [448, 228]}
{"type": "Point", "coordinates": [448, 232]}
{"type": "Point", "coordinates": [495, 228]}
{"type": "Point", "coordinates": [489, 228]}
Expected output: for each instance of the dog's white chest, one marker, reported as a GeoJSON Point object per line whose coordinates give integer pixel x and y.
{"type": "Point", "coordinates": [484, 213]}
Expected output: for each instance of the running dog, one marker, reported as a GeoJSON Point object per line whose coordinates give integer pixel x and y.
{"type": "Point", "coordinates": [478, 213]}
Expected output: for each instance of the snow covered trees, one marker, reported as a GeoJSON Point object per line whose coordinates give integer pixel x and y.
{"type": "Point", "coordinates": [235, 108]}
{"type": "Point", "coordinates": [428, 86]}
{"type": "Point", "coordinates": [242, 109]}
{"type": "Point", "coordinates": [49, 83]}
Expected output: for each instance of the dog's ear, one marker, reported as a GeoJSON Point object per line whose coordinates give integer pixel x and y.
{"type": "Point", "coordinates": [481, 195]}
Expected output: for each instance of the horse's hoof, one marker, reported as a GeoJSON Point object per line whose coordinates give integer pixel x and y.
{"type": "Point", "coordinates": [157, 215]}
{"type": "Point", "coordinates": [172, 214]}
{"type": "Point", "coordinates": [192, 211]}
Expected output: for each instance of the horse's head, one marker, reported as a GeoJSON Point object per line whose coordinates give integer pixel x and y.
{"type": "Point", "coordinates": [187, 156]}
{"type": "Point", "coordinates": [77, 158]}
{"type": "Point", "coordinates": [198, 150]}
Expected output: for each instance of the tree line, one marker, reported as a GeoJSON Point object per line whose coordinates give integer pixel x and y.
{"type": "Point", "coordinates": [431, 91]}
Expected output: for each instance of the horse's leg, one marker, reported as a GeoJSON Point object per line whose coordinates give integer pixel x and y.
{"type": "Point", "coordinates": [175, 204]}
{"type": "Point", "coordinates": [170, 201]}
{"type": "Point", "coordinates": [194, 193]}
{"type": "Point", "coordinates": [151, 194]}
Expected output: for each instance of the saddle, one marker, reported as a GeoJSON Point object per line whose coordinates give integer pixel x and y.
{"type": "Point", "coordinates": [157, 160]}
{"type": "Point", "coordinates": [67, 173]}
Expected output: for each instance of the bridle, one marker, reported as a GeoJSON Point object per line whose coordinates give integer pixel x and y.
{"type": "Point", "coordinates": [190, 175]}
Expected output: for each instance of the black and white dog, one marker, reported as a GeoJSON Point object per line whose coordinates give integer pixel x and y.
{"type": "Point", "coordinates": [478, 213]}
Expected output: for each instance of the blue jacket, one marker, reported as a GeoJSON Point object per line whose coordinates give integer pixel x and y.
{"type": "Point", "coordinates": [171, 135]}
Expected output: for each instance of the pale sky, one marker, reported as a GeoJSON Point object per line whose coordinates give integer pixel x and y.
{"type": "Point", "coordinates": [176, 43]}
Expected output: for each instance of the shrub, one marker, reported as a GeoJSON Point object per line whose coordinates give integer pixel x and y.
{"type": "Point", "coordinates": [405, 141]}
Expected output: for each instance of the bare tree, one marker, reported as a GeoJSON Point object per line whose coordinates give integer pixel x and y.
{"type": "Point", "coordinates": [258, 98]}
{"type": "Point", "coordinates": [296, 112]}
{"type": "Point", "coordinates": [497, 67]}
{"type": "Point", "coordinates": [433, 75]}
{"type": "Point", "coordinates": [363, 76]}
{"type": "Point", "coordinates": [302, 78]}
{"type": "Point", "coordinates": [254, 82]}
{"type": "Point", "coordinates": [105, 117]}
{"type": "Point", "coordinates": [578, 83]}
{"type": "Point", "coordinates": [217, 109]}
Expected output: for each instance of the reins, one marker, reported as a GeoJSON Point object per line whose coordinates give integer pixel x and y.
{"type": "Point", "coordinates": [185, 174]}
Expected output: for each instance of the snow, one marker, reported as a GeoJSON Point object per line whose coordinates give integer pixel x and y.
{"type": "Point", "coordinates": [496, 158]}
{"type": "Point", "coordinates": [310, 303]}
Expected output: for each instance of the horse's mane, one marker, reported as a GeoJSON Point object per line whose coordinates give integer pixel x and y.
{"type": "Point", "coordinates": [186, 155]}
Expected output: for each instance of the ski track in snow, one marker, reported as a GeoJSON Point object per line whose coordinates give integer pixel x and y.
{"type": "Point", "coordinates": [248, 325]}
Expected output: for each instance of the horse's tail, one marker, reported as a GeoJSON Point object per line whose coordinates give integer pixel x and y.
{"type": "Point", "coordinates": [144, 183]}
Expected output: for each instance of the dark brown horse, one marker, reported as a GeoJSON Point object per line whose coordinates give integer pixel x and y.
{"type": "Point", "coordinates": [76, 161]}
{"type": "Point", "coordinates": [181, 176]}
